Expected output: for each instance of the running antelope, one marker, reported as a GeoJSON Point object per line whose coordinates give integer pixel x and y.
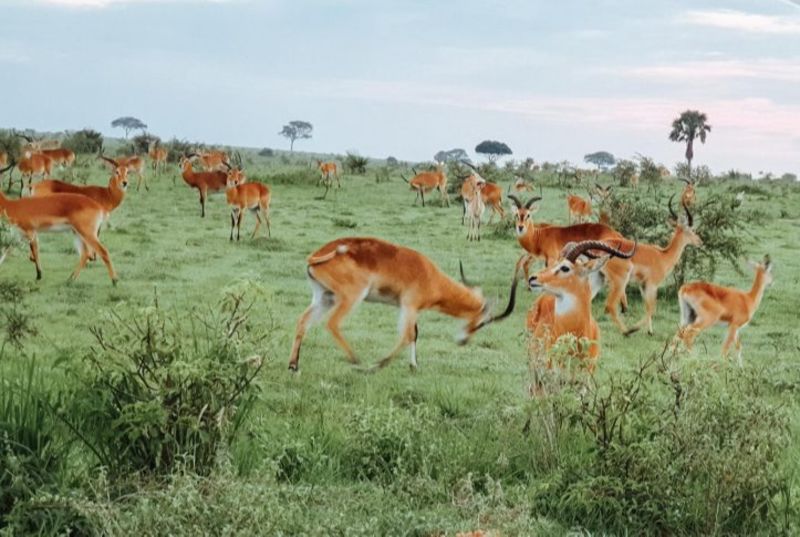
{"type": "Point", "coordinates": [244, 196]}
{"type": "Point", "coordinates": [76, 212]}
{"type": "Point", "coordinates": [566, 306]}
{"type": "Point", "coordinates": [346, 271]}
{"type": "Point", "coordinates": [704, 304]}
{"type": "Point", "coordinates": [204, 182]}
{"type": "Point", "coordinates": [427, 181]}
{"type": "Point", "coordinates": [328, 171]}
{"type": "Point", "coordinates": [652, 264]}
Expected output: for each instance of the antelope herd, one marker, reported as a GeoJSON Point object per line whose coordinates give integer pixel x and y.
{"type": "Point", "coordinates": [579, 258]}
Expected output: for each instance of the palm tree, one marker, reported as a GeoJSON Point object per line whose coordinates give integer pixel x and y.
{"type": "Point", "coordinates": [690, 125]}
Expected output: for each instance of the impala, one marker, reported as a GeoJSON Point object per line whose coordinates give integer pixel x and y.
{"type": "Point", "coordinates": [328, 171]}
{"type": "Point", "coordinates": [158, 156]}
{"type": "Point", "coordinates": [347, 271]}
{"type": "Point", "coordinates": [547, 241]}
{"type": "Point", "coordinates": [60, 156]}
{"type": "Point", "coordinates": [32, 164]}
{"type": "Point", "coordinates": [521, 185]}
{"type": "Point", "coordinates": [133, 164]}
{"type": "Point", "coordinates": [652, 264]}
{"type": "Point", "coordinates": [244, 196]}
{"type": "Point", "coordinates": [566, 306]}
{"type": "Point", "coordinates": [426, 181]}
{"type": "Point", "coordinates": [79, 213]}
{"type": "Point", "coordinates": [688, 195]}
{"type": "Point", "coordinates": [491, 193]}
{"type": "Point", "coordinates": [704, 304]}
{"type": "Point", "coordinates": [578, 208]}
{"type": "Point", "coordinates": [109, 197]}
{"type": "Point", "coordinates": [603, 195]}
{"type": "Point", "coordinates": [204, 182]}
{"type": "Point", "coordinates": [475, 206]}
{"type": "Point", "coordinates": [213, 160]}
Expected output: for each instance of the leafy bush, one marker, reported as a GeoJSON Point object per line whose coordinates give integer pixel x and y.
{"type": "Point", "coordinates": [10, 143]}
{"type": "Point", "coordinates": [15, 319]}
{"type": "Point", "coordinates": [355, 164]}
{"type": "Point", "coordinates": [659, 451]}
{"type": "Point", "coordinates": [624, 171]}
{"type": "Point", "coordinates": [649, 171]}
{"type": "Point", "coordinates": [140, 144]}
{"type": "Point", "coordinates": [266, 152]}
{"type": "Point", "coordinates": [177, 148]}
{"type": "Point", "coordinates": [86, 141]}
{"type": "Point", "coordinates": [296, 176]}
{"type": "Point", "coordinates": [166, 390]}
{"type": "Point", "coordinates": [392, 161]}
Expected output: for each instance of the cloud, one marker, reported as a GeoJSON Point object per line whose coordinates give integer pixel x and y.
{"type": "Point", "coordinates": [743, 21]}
{"type": "Point", "coordinates": [107, 3]}
{"type": "Point", "coordinates": [787, 70]}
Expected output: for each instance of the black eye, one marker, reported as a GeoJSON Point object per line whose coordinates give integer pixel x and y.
{"type": "Point", "coordinates": [564, 268]}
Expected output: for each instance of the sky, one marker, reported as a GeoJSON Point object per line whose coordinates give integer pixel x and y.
{"type": "Point", "coordinates": [407, 78]}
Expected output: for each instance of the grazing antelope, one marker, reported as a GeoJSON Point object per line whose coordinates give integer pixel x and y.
{"type": "Point", "coordinates": [578, 208]}
{"type": "Point", "coordinates": [705, 304]}
{"type": "Point", "coordinates": [547, 241]}
{"type": "Point", "coordinates": [213, 160]}
{"type": "Point", "coordinates": [204, 182]}
{"type": "Point", "coordinates": [566, 306]}
{"type": "Point", "coordinates": [346, 271]}
{"type": "Point", "coordinates": [426, 181]}
{"type": "Point", "coordinates": [246, 196]}
{"type": "Point", "coordinates": [652, 264]}
{"type": "Point", "coordinates": [61, 157]}
{"type": "Point", "coordinates": [133, 164]}
{"type": "Point", "coordinates": [474, 207]}
{"type": "Point", "coordinates": [109, 197]}
{"type": "Point", "coordinates": [688, 196]}
{"type": "Point", "coordinates": [79, 213]}
{"type": "Point", "coordinates": [158, 157]}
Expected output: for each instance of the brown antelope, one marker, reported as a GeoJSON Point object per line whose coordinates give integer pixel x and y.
{"type": "Point", "coordinates": [578, 208]}
{"type": "Point", "coordinates": [158, 157]}
{"type": "Point", "coordinates": [204, 182]}
{"type": "Point", "coordinates": [328, 171]}
{"type": "Point", "coordinates": [213, 160]}
{"type": "Point", "coordinates": [705, 304]}
{"type": "Point", "coordinates": [602, 195]}
{"type": "Point", "coordinates": [491, 196]}
{"type": "Point", "coordinates": [109, 197]}
{"type": "Point", "coordinates": [688, 195]}
{"type": "Point", "coordinates": [78, 213]}
{"type": "Point", "coordinates": [521, 185]}
{"type": "Point", "coordinates": [652, 264]}
{"type": "Point", "coordinates": [427, 181]}
{"type": "Point", "coordinates": [60, 157]}
{"type": "Point", "coordinates": [547, 241]}
{"type": "Point", "coordinates": [133, 164]}
{"type": "Point", "coordinates": [244, 196]}
{"type": "Point", "coordinates": [566, 306]}
{"type": "Point", "coordinates": [347, 271]}
{"type": "Point", "coordinates": [32, 164]}
{"type": "Point", "coordinates": [3, 159]}
{"type": "Point", "coordinates": [635, 181]}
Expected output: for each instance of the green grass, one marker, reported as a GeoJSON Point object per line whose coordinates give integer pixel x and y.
{"type": "Point", "coordinates": [474, 397]}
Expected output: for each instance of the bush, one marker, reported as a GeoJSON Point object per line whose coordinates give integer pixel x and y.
{"type": "Point", "coordinates": [355, 164]}
{"type": "Point", "coordinates": [297, 176]}
{"type": "Point", "coordinates": [86, 141]}
{"type": "Point", "coordinates": [177, 148]}
{"type": "Point", "coordinates": [166, 390]}
{"type": "Point", "coordinates": [140, 144]}
{"type": "Point", "coordinates": [660, 451]}
{"type": "Point", "coordinates": [266, 152]}
{"type": "Point", "coordinates": [16, 322]}
{"type": "Point", "coordinates": [624, 171]}
{"type": "Point", "coordinates": [392, 161]}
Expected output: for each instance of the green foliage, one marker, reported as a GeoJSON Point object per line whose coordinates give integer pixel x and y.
{"type": "Point", "coordinates": [15, 319]}
{"type": "Point", "coordinates": [355, 164]}
{"type": "Point", "coordinates": [266, 152]}
{"type": "Point", "coordinates": [493, 149]}
{"type": "Point", "coordinates": [178, 148]}
{"type": "Point", "coordinates": [128, 124]}
{"type": "Point", "coordinates": [392, 161]}
{"type": "Point", "coordinates": [166, 390]}
{"type": "Point", "coordinates": [84, 142]}
{"type": "Point", "coordinates": [601, 159]}
{"type": "Point", "coordinates": [140, 144]}
{"type": "Point", "coordinates": [297, 176]}
{"type": "Point", "coordinates": [296, 130]}
{"type": "Point", "coordinates": [649, 171]}
{"type": "Point", "coordinates": [383, 173]}
{"type": "Point", "coordinates": [11, 144]}
{"type": "Point", "coordinates": [624, 171]}
{"type": "Point", "coordinates": [450, 155]}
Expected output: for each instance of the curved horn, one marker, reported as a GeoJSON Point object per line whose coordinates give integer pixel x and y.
{"type": "Point", "coordinates": [464, 279]}
{"type": "Point", "coordinates": [11, 165]}
{"type": "Point", "coordinates": [512, 300]}
{"type": "Point", "coordinates": [406, 180]}
{"type": "Point", "coordinates": [671, 210]}
{"type": "Point", "coordinates": [584, 246]}
{"type": "Point", "coordinates": [414, 171]}
{"type": "Point", "coordinates": [109, 160]}
{"type": "Point", "coordinates": [27, 138]}
{"type": "Point", "coordinates": [515, 199]}
{"type": "Point", "coordinates": [228, 166]}
{"type": "Point", "coordinates": [192, 155]}
{"type": "Point", "coordinates": [687, 181]}
{"type": "Point", "coordinates": [531, 201]}
{"type": "Point", "coordinates": [467, 163]}
{"type": "Point", "coordinates": [689, 216]}
{"type": "Point", "coordinates": [237, 160]}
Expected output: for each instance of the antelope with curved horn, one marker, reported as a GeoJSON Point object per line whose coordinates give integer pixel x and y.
{"type": "Point", "coordinates": [213, 160]}
{"type": "Point", "coordinates": [491, 193]}
{"type": "Point", "coordinates": [547, 241]}
{"type": "Point", "coordinates": [652, 264]}
{"type": "Point", "coordinates": [704, 304]}
{"type": "Point", "coordinates": [603, 195]}
{"type": "Point", "coordinates": [688, 196]}
{"type": "Point", "coordinates": [158, 156]}
{"type": "Point", "coordinates": [424, 182]}
{"type": "Point", "coordinates": [244, 196]}
{"type": "Point", "coordinates": [566, 306]}
{"type": "Point", "coordinates": [204, 182]}
{"type": "Point", "coordinates": [347, 271]}
{"type": "Point", "coordinates": [76, 212]}
{"type": "Point", "coordinates": [133, 164]}
{"type": "Point", "coordinates": [474, 206]}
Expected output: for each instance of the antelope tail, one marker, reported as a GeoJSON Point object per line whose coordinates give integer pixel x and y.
{"type": "Point", "coordinates": [324, 258]}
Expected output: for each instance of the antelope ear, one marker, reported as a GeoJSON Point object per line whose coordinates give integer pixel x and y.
{"type": "Point", "coordinates": [591, 266]}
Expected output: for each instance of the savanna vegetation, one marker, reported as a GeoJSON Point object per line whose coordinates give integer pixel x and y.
{"type": "Point", "coordinates": [163, 405]}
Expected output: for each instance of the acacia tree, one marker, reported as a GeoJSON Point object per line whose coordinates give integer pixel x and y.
{"type": "Point", "coordinates": [129, 124]}
{"type": "Point", "coordinates": [492, 149]}
{"type": "Point", "coordinates": [602, 159]}
{"type": "Point", "coordinates": [690, 125]}
{"type": "Point", "coordinates": [296, 130]}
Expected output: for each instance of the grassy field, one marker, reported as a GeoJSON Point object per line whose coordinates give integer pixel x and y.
{"type": "Point", "coordinates": [464, 462]}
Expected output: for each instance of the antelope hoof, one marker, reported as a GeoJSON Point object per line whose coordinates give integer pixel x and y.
{"type": "Point", "coordinates": [630, 331]}
{"type": "Point", "coordinates": [293, 367]}
{"type": "Point", "coordinates": [38, 274]}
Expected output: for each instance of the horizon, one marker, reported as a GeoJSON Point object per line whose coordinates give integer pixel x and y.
{"type": "Point", "coordinates": [410, 79]}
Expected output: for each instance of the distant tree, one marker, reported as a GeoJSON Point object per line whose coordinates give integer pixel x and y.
{"type": "Point", "coordinates": [492, 149]}
{"type": "Point", "coordinates": [266, 152]}
{"type": "Point", "coordinates": [624, 171]}
{"type": "Point", "coordinates": [452, 154]}
{"type": "Point", "coordinates": [689, 126]}
{"type": "Point", "coordinates": [602, 159]}
{"type": "Point", "coordinates": [296, 130]}
{"type": "Point", "coordinates": [129, 124]}
{"type": "Point", "coordinates": [392, 161]}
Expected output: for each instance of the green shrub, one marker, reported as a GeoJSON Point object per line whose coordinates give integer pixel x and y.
{"type": "Point", "coordinates": [167, 390]}
{"type": "Point", "coordinates": [15, 320]}
{"type": "Point", "coordinates": [295, 176]}
{"type": "Point", "coordinates": [177, 148]}
{"type": "Point", "coordinates": [355, 164]}
{"type": "Point", "coordinates": [11, 144]}
{"type": "Point", "coordinates": [140, 144]}
{"type": "Point", "coordinates": [84, 142]}
{"type": "Point", "coordinates": [266, 152]}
